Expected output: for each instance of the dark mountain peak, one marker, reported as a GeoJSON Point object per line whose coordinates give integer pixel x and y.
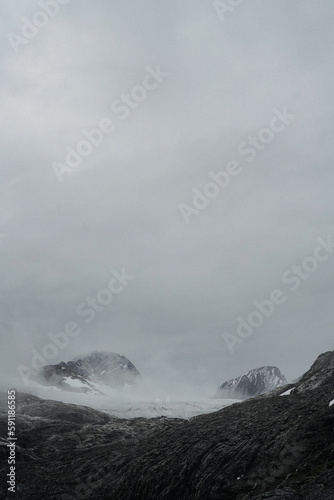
{"type": "Point", "coordinates": [257, 381]}
{"type": "Point", "coordinates": [97, 356]}
{"type": "Point", "coordinates": [107, 367]}
{"type": "Point", "coordinates": [84, 374]}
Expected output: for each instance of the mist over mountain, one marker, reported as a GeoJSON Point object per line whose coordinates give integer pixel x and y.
{"type": "Point", "coordinates": [277, 446]}
{"type": "Point", "coordinates": [90, 373]}
{"type": "Point", "coordinates": [200, 140]}
{"type": "Point", "coordinates": [167, 249]}
{"type": "Point", "coordinates": [111, 382]}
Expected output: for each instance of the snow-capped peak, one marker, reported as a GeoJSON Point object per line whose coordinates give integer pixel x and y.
{"type": "Point", "coordinates": [255, 382]}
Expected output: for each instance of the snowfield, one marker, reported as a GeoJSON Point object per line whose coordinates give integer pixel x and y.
{"type": "Point", "coordinates": [174, 409]}
{"type": "Point", "coordinates": [124, 404]}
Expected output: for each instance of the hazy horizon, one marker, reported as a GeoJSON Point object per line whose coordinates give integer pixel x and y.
{"type": "Point", "coordinates": [166, 172]}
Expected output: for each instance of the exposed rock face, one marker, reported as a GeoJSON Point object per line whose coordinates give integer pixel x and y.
{"type": "Point", "coordinates": [108, 368]}
{"type": "Point", "coordinates": [268, 447]}
{"type": "Point", "coordinates": [255, 382]}
{"type": "Point", "coordinates": [66, 378]}
{"type": "Point", "coordinates": [324, 365]}
{"type": "Point", "coordinates": [84, 375]}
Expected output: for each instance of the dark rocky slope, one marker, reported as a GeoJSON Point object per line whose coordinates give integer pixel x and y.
{"type": "Point", "coordinates": [269, 447]}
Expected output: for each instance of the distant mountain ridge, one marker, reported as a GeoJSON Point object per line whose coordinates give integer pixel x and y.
{"type": "Point", "coordinates": [254, 383]}
{"type": "Point", "coordinates": [87, 374]}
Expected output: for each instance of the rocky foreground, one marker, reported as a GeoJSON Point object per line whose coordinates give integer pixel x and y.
{"type": "Point", "coordinates": [270, 447]}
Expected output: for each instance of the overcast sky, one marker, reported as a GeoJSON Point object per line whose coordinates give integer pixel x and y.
{"type": "Point", "coordinates": [224, 78]}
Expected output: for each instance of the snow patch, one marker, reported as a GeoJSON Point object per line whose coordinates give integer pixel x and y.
{"type": "Point", "coordinates": [74, 382]}
{"type": "Point", "coordinates": [287, 393]}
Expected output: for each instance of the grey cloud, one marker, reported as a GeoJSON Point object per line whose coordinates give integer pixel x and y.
{"type": "Point", "coordinates": [119, 208]}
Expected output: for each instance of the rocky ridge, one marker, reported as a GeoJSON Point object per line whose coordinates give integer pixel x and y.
{"type": "Point", "coordinates": [255, 382]}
